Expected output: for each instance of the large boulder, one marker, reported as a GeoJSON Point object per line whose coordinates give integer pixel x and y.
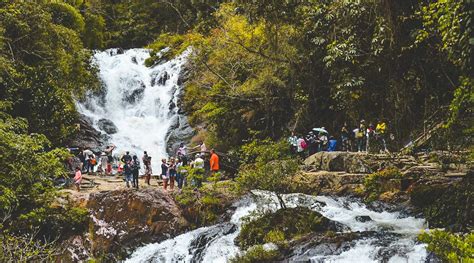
{"type": "Point", "coordinates": [107, 126]}
{"type": "Point", "coordinates": [339, 162]}
{"type": "Point", "coordinates": [87, 136]}
{"type": "Point", "coordinates": [125, 219]}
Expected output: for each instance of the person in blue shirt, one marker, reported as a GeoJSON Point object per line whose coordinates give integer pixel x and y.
{"type": "Point", "coordinates": [332, 144]}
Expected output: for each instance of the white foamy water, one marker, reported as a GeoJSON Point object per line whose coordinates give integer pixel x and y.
{"type": "Point", "coordinates": [136, 101]}
{"type": "Point", "coordinates": [399, 242]}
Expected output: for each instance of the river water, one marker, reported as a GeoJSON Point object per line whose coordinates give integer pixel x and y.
{"type": "Point", "coordinates": [393, 237]}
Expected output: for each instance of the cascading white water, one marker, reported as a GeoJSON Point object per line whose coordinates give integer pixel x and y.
{"type": "Point", "coordinates": [398, 234]}
{"type": "Point", "coordinates": [136, 99]}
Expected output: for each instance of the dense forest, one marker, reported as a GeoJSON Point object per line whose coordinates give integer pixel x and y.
{"type": "Point", "coordinates": [259, 69]}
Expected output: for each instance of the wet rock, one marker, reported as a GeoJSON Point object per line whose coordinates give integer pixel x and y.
{"type": "Point", "coordinates": [199, 244]}
{"type": "Point", "coordinates": [124, 219]}
{"type": "Point", "coordinates": [135, 94]}
{"type": "Point", "coordinates": [363, 218]}
{"type": "Point", "coordinates": [87, 136]}
{"type": "Point", "coordinates": [180, 131]}
{"type": "Point", "coordinates": [172, 105]}
{"type": "Point", "coordinates": [134, 60]}
{"type": "Point", "coordinates": [107, 126]}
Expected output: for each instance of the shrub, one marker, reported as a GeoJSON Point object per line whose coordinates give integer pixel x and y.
{"type": "Point", "coordinates": [450, 247]}
{"type": "Point", "coordinates": [283, 225]}
{"type": "Point", "coordinates": [257, 254]}
{"type": "Point", "coordinates": [379, 182]}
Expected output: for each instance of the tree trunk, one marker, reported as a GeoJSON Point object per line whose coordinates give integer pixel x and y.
{"type": "Point", "coordinates": [282, 203]}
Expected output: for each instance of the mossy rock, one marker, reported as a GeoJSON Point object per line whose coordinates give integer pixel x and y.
{"type": "Point", "coordinates": [445, 203]}
{"type": "Point", "coordinates": [282, 226]}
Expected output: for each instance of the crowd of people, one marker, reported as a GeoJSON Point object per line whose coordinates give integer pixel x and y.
{"type": "Point", "coordinates": [364, 138]}
{"type": "Point", "coordinates": [173, 170]}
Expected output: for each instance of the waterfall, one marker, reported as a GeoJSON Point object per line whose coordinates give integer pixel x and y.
{"type": "Point", "coordinates": [394, 239]}
{"type": "Point", "coordinates": [139, 101]}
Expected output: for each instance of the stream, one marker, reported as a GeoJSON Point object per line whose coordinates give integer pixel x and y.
{"type": "Point", "coordinates": [391, 235]}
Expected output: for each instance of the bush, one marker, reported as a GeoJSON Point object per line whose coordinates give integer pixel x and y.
{"type": "Point", "coordinates": [281, 226]}
{"type": "Point", "coordinates": [257, 254]}
{"type": "Point", "coordinates": [450, 247]}
{"type": "Point", "coordinates": [380, 182]}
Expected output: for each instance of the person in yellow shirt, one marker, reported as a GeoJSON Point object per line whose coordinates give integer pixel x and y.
{"type": "Point", "coordinates": [380, 131]}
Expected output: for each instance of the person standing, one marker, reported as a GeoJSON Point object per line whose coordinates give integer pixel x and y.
{"type": "Point", "coordinates": [126, 158]}
{"type": "Point", "coordinates": [181, 150]}
{"type": "Point", "coordinates": [198, 166]}
{"type": "Point", "coordinates": [127, 171]}
{"type": "Point", "coordinates": [78, 178]}
{"type": "Point", "coordinates": [164, 174]}
{"type": "Point", "coordinates": [293, 141]}
{"type": "Point", "coordinates": [214, 162]}
{"type": "Point", "coordinates": [147, 163]}
{"type": "Point", "coordinates": [92, 162]}
{"type": "Point", "coordinates": [86, 153]}
{"type": "Point", "coordinates": [172, 172]}
{"type": "Point", "coordinates": [135, 170]}
{"type": "Point", "coordinates": [324, 140]}
{"type": "Point", "coordinates": [179, 173]}
{"type": "Point", "coordinates": [380, 131]}
{"type": "Point", "coordinates": [360, 136]}
{"type": "Point", "coordinates": [301, 147]}
{"type": "Point", "coordinates": [370, 137]}
{"type": "Point", "coordinates": [345, 139]}
{"type": "Point", "coordinates": [103, 162]}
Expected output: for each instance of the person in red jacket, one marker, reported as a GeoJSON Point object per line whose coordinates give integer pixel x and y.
{"type": "Point", "coordinates": [214, 162]}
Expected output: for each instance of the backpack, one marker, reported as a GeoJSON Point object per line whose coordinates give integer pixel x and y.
{"type": "Point", "coordinates": [93, 161]}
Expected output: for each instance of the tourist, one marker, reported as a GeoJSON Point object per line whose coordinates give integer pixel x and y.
{"type": "Point", "coordinates": [202, 147]}
{"type": "Point", "coordinates": [181, 150]}
{"type": "Point", "coordinates": [126, 158]}
{"type": "Point", "coordinates": [180, 173]}
{"type": "Point", "coordinates": [293, 141]}
{"type": "Point", "coordinates": [110, 158]}
{"type": "Point", "coordinates": [332, 144]}
{"type": "Point", "coordinates": [324, 140]}
{"type": "Point", "coordinates": [78, 178]}
{"type": "Point", "coordinates": [127, 171]}
{"type": "Point", "coordinates": [147, 163]}
{"type": "Point", "coordinates": [301, 147]}
{"type": "Point", "coordinates": [380, 131]}
{"type": "Point", "coordinates": [345, 138]}
{"type": "Point", "coordinates": [172, 172]}
{"type": "Point", "coordinates": [103, 162]}
{"type": "Point", "coordinates": [86, 153]}
{"type": "Point", "coordinates": [198, 166]}
{"type": "Point", "coordinates": [135, 170]}
{"type": "Point", "coordinates": [164, 174]}
{"type": "Point", "coordinates": [92, 161]}
{"type": "Point", "coordinates": [359, 134]}
{"type": "Point", "coordinates": [370, 135]}
{"type": "Point", "coordinates": [214, 162]}
{"type": "Point", "coordinates": [82, 158]}
{"type": "Point", "coordinates": [312, 141]}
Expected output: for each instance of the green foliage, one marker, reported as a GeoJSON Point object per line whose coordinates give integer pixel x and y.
{"type": "Point", "coordinates": [269, 67]}
{"type": "Point", "coordinates": [66, 15]}
{"type": "Point", "coordinates": [450, 247]}
{"type": "Point", "coordinates": [202, 205]}
{"type": "Point", "coordinates": [27, 202]}
{"type": "Point", "coordinates": [45, 66]}
{"type": "Point", "coordinates": [25, 248]}
{"type": "Point", "coordinates": [280, 227]}
{"type": "Point", "coordinates": [379, 182]}
{"type": "Point", "coordinates": [257, 254]}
